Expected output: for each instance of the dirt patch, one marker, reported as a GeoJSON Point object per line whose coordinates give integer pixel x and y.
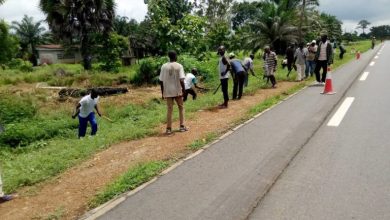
{"type": "Point", "coordinates": [67, 195]}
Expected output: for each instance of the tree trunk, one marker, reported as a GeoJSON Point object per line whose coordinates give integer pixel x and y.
{"type": "Point", "coordinates": [86, 52]}
{"type": "Point", "coordinates": [301, 21]}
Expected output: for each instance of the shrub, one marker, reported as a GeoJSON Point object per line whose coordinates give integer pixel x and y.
{"type": "Point", "coordinates": [147, 72]}
{"type": "Point", "coordinates": [26, 67]}
{"type": "Point", "coordinates": [15, 63]}
{"type": "Point", "coordinates": [18, 134]}
{"type": "Point", "coordinates": [14, 109]}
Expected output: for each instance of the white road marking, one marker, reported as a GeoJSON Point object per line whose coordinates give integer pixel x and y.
{"type": "Point", "coordinates": [376, 57]}
{"type": "Point", "coordinates": [339, 115]}
{"type": "Point", "coordinates": [364, 76]}
{"type": "Point", "coordinates": [372, 63]}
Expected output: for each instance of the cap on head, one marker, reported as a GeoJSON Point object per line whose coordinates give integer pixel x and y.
{"type": "Point", "coordinates": [313, 41]}
{"type": "Point", "coordinates": [194, 71]}
{"type": "Point", "coordinates": [221, 50]}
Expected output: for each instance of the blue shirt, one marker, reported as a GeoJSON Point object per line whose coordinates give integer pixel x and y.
{"type": "Point", "coordinates": [236, 66]}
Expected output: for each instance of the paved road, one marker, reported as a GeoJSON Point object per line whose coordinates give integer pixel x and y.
{"type": "Point", "coordinates": [228, 179]}
{"type": "Point", "coordinates": [344, 171]}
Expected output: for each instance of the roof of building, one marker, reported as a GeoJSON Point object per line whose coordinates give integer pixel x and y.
{"type": "Point", "coordinates": [50, 46]}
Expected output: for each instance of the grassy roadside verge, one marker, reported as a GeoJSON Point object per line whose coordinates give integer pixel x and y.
{"type": "Point", "coordinates": [45, 159]}
{"type": "Point", "coordinates": [210, 137]}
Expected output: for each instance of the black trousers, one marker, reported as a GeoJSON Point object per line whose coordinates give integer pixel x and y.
{"type": "Point", "coordinates": [341, 55]}
{"type": "Point", "coordinates": [191, 92]}
{"type": "Point", "coordinates": [324, 65]}
{"type": "Point", "coordinates": [224, 87]}
{"type": "Point", "coordinates": [239, 80]}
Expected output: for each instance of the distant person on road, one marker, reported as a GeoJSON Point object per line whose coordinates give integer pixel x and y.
{"type": "Point", "coordinates": [248, 64]}
{"type": "Point", "coordinates": [172, 89]}
{"type": "Point", "coordinates": [310, 63]}
{"type": "Point", "coordinates": [4, 197]}
{"type": "Point", "coordinates": [270, 65]}
{"type": "Point", "coordinates": [85, 113]}
{"type": "Point", "coordinates": [324, 58]}
{"type": "Point", "coordinates": [224, 68]}
{"type": "Point", "coordinates": [342, 51]}
{"type": "Point", "coordinates": [299, 60]}
{"type": "Point", "coordinates": [372, 42]}
{"type": "Point", "coordinates": [290, 58]}
{"type": "Point", "coordinates": [190, 81]}
{"type": "Point", "coordinates": [238, 73]}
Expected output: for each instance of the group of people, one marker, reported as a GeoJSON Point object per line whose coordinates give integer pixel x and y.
{"type": "Point", "coordinates": [309, 60]}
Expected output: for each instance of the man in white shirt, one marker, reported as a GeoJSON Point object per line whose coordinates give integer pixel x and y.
{"type": "Point", "coordinates": [324, 58]}
{"type": "Point", "coordinates": [223, 68]}
{"type": "Point", "coordinates": [299, 60]}
{"type": "Point", "coordinates": [85, 112]}
{"type": "Point", "coordinates": [248, 64]}
{"type": "Point", "coordinates": [172, 89]}
{"type": "Point", "coordinates": [189, 82]}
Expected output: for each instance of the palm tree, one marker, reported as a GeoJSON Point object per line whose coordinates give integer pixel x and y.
{"type": "Point", "coordinates": [273, 27]}
{"type": "Point", "coordinates": [2, 1]}
{"type": "Point", "coordinates": [30, 34]}
{"type": "Point", "coordinates": [79, 19]}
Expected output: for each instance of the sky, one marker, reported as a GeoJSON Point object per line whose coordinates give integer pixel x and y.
{"type": "Point", "coordinates": [348, 11]}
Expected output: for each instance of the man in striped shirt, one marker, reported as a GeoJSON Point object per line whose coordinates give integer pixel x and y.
{"type": "Point", "coordinates": [270, 64]}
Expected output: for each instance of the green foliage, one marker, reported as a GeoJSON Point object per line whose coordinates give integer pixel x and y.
{"type": "Point", "coordinates": [219, 34]}
{"type": "Point", "coordinates": [381, 32]}
{"type": "Point", "coordinates": [8, 44]}
{"type": "Point", "coordinates": [74, 19]}
{"type": "Point", "coordinates": [133, 178]}
{"type": "Point", "coordinates": [148, 71]}
{"type": "Point", "coordinates": [15, 109]}
{"type": "Point", "coordinates": [18, 134]}
{"type": "Point", "coordinates": [113, 47]}
{"type": "Point", "coordinates": [15, 63]}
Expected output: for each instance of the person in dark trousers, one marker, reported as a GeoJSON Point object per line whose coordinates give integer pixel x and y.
{"type": "Point", "coordinates": [372, 42]}
{"type": "Point", "coordinates": [189, 82]}
{"type": "Point", "coordinates": [324, 58]}
{"type": "Point", "coordinates": [85, 112]}
{"type": "Point", "coordinates": [310, 63]}
{"type": "Point", "coordinates": [270, 64]}
{"type": "Point", "coordinates": [238, 73]}
{"type": "Point", "coordinates": [224, 67]}
{"type": "Point", "coordinates": [290, 58]}
{"type": "Point", "coordinates": [248, 64]}
{"type": "Point", "coordinates": [342, 51]}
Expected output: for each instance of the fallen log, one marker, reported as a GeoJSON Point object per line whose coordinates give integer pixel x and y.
{"type": "Point", "coordinates": [102, 91]}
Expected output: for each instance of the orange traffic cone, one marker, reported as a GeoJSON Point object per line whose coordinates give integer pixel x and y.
{"type": "Point", "coordinates": [358, 55]}
{"type": "Point", "coordinates": [328, 89]}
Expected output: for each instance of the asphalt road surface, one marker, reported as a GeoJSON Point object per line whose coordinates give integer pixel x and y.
{"type": "Point", "coordinates": [344, 170]}
{"type": "Point", "coordinates": [288, 164]}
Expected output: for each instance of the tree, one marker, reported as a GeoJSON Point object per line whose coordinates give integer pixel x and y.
{"type": "Point", "coordinates": [243, 12]}
{"type": "Point", "coordinates": [2, 2]}
{"type": "Point", "coordinates": [79, 19]}
{"type": "Point", "coordinates": [113, 48]}
{"type": "Point", "coordinates": [363, 24]}
{"type": "Point", "coordinates": [30, 34]}
{"type": "Point", "coordinates": [381, 32]}
{"type": "Point", "coordinates": [331, 26]}
{"type": "Point", "coordinates": [8, 44]}
{"type": "Point", "coordinates": [273, 27]}
{"type": "Point", "coordinates": [214, 10]}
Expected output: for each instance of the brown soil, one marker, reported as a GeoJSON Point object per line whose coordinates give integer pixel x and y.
{"type": "Point", "coordinates": [67, 195]}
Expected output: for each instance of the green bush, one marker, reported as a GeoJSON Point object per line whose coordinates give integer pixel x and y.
{"type": "Point", "coordinates": [14, 109]}
{"type": "Point", "coordinates": [15, 63]}
{"type": "Point", "coordinates": [147, 72]}
{"type": "Point", "coordinates": [26, 67]}
{"type": "Point", "coordinates": [24, 133]}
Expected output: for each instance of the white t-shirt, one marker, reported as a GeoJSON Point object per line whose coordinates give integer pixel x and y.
{"type": "Point", "coordinates": [222, 68]}
{"type": "Point", "coordinates": [171, 74]}
{"type": "Point", "coordinates": [248, 63]}
{"type": "Point", "coordinates": [189, 81]}
{"type": "Point", "coordinates": [87, 105]}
